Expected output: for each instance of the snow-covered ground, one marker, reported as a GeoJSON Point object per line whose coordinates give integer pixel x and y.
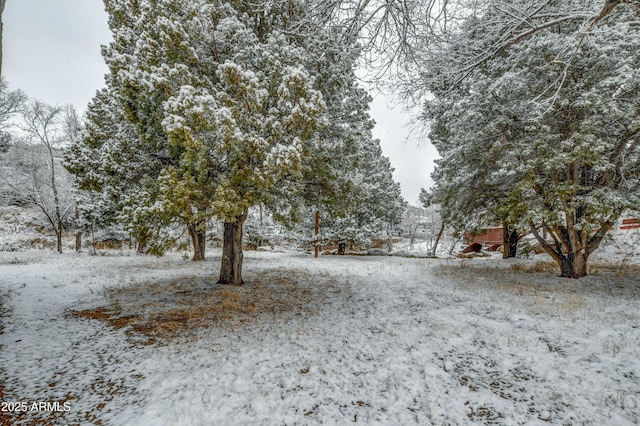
{"type": "Point", "coordinates": [122, 339]}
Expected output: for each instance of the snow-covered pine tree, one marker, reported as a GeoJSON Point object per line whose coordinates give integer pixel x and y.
{"type": "Point", "coordinates": [582, 162]}
{"type": "Point", "coordinates": [376, 202]}
{"type": "Point", "coordinates": [268, 119]}
{"type": "Point", "coordinates": [328, 187]}
{"type": "Point", "coordinates": [123, 150]}
{"type": "Point", "coordinates": [216, 100]}
{"type": "Point", "coordinates": [349, 183]}
{"type": "Point", "coordinates": [119, 172]}
{"type": "Point", "coordinates": [465, 120]}
{"type": "Point", "coordinates": [569, 165]}
{"type": "Point", "coordinates": [224, 104]}
{"type": "Point", "coordinates": [172, 69]}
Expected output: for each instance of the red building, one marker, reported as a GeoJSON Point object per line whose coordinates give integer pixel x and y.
{"type": "Point", "coordinates": [489, 237]}
{"type": "Point", "coordinates": [493, 235]}
{"type": "Point", "coordinates": [626, 224]}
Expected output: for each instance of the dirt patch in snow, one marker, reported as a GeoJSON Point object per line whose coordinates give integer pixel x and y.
{"type": "Point", "coordinates": [605, 279]}
{"type": "Point", "coordinates": [183, 308]}
{"type": "Point", "coordinates": [621, 268]}
{"type": "Point", "coordinates": [543, 292]}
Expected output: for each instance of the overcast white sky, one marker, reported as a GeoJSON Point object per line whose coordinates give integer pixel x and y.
{"type": "Point", "coordinates": [52, 52]}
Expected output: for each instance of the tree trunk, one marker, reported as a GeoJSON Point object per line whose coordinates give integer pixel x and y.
{"type": "Point", "coordinates": [93, 237]}
{"type": "Point", "coordinates": [342, 248]}
{"type": "Point", "coordinates": [56, 199]}
{"type": "Point", "coordinates": [572, 262]}
{"type": "Point", "coordinates": [198, 235]}
{"type": "Point", "coordinates": [453, 246]}
{"type": "Point", "coordinates": [231, 265]}
{"type": "Point", "coordinates": [78, 231]}
{"type": "Point", "coordinates": [59, 236]}
{"type": "Point", "coordinates": [142, 244]}
{"type": "Point", "coordinates": [316, 248]}
{"type": "Point", "coordinates": [573, 266]}
{"type": "Point", "coordinates": [510, 240]}
{"type": "Point", "coordinates": [435, 245]}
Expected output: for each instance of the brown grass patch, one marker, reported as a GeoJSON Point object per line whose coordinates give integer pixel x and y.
{"type": "Point", "coordinates": [618, 268]}
{"type": "Point", "coordinates": [112, 316]}
{"type": "Point", "coordinates": [181, 308]}
{"type": "Point", "coordinates": [595, 267]}
{"type": "Point", "coordinates": [543, 293]}
{"type": "Point", "coordinates": [537, 267]}
{"type": "Point", "coordinates": [544, 299]}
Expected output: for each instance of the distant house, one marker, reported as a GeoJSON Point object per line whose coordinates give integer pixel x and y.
{"type": "Point", "coordinates": [487, 237]}
{"type": "Point", "coordinates": [493, 235]}
{"type": "Point", "coordinates": [627, 224]}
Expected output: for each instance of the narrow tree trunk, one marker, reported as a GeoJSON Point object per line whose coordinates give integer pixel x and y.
{"type": "Point", "coordinates": [453, 246]}
{"type": "Point", "coordinates": [342, 248]}
{"type": "Point", "coordinates": [510, 240]}
{"type": "Point", "coordinates": [56, 199]}
{"type": "Point", "coordinates": [78, 231]}
{"type": "Point", "coordinates": [315, 231]}
{"type": "Point", "coordinates": [202, 243]}
{"type": "Point", "coordinates": [260, 241]}
{"type": "Point", "coordinates": [59, 236]}
{"type": "Point", "coordinates": [197, 233]}
{"type": "Point", "coordinates": [231, 265]}
{"type": "Point", "coordinates": [435, 245]}
{"type": "Point", "coordinates": [93, 237]}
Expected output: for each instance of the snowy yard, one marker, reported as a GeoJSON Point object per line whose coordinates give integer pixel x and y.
{"type": "Point", "coordinates": [133, 340]}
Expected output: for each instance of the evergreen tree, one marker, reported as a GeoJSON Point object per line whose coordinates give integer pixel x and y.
{"type": "Point", "coordinates": [123, 150]}
{"type": "Point", "coordinates": [348, 182]}
{"type": "Point", "coordinates": [213, 107]}
{"type": "Point", "coordinates": [567, 165]}
{"type": "Point", "coordinates": [218, 114]}
{"type": "Point", "coordinates": [375, 201]}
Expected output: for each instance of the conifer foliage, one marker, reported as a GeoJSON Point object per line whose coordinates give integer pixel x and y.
{"type": "Point", "coordinates": [210, 108]}
{"type": "Point", "coordinates": [534, 143]}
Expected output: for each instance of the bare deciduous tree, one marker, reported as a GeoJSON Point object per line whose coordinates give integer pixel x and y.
{"type": "Point", "coordinates": [40, 122]}
{"type": "Point", "coordinates": [398, 34]}
{"type": "Point", "coordinates": [10, 104]}
{"type": "Point", "coordinates": [32, 173]}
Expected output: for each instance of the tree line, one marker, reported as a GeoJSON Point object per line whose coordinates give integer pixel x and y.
{"type": "Point", "coordinates": [38, 142]}
{"type": "Point", "coordinates": [214, 107]}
